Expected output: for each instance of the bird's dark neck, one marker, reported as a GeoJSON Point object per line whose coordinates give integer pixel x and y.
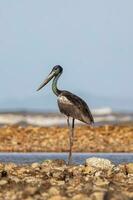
{"type": "Point", "coordinates": [54, 85]}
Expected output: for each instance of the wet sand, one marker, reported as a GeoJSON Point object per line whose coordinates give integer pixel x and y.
{"type": "Point", "coordinates": [114, 138]}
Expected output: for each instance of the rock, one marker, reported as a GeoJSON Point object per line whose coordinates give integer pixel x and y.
{"type": "Point", "coordinates": [60, 183]}
{"type": "Point", "coordinates": [80, 197]}
{"type": "Point", "coordinates": [56, 174]}
{"type": "Point", "coordinates": [31, 190]}
{"type": "Point", "coordinates": [115, 195]}
{"type": "Point", "coordinates": [53, 191]}
{"type": "Point", "coordinates": [97, 196]}
{"type": "Point", "coordinates": [35, 165]}
{"type": "Point", "coordinates": [28, 198]}
{"type": "Point", "coordinates": [122, 168]}
{"type": "Point", "coordinates": [101, 182]}
{"type": "Point", "coordinates": [23, 170]}
{"type": "Point", "coordinates": [98, 173]}
{"type": "Point", "coordinates": [100, 163]}
{"type": "Point", "coordinates": [110, 173]}
{"type": "Point", "coordinates": [55, 182]}
{"type": "Point", "coordinates": [129, 168]}
{"type": "Point", "coordinates": [10, 167]}
{"type": "Point", "coordinates": [57, 197]}
{"type": "Point", "coordinates": [4, 174]}
{"type": "Point", "coordinates": [88, 187]}
{"type": "Point", "coordinates": [120, 177]}
{"type": "Point", "coordinates": [129, 194]}
{"type": "Point", "coordinates": [1, 166]}
{"type": "Point", "coordinates": [73, 171]}
{"type": "Point", "coordinates": [88, 170]}
{"type": "Point", "coordinates": [46, 163]}
{"type": "Point", "coordinates": [3, 182]}
{"type": "Point", "coordinates": [45, 195]}
{"type": "Point", "coordinates": [30, 180]}
{"type": "Point", "coordinates": [15, 179]}
{"type": "Point", "coordinates": [56, 162]}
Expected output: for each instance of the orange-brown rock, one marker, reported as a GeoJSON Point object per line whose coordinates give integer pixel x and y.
{"type": "Point", "coordinates": [62, 182]}
{"type": "Point", "coordinates": [113, 138]}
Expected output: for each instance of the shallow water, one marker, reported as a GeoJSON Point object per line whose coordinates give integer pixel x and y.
{"type": "Point", "coordinates": [78, 158]}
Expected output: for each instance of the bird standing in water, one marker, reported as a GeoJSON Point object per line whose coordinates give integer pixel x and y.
{"type": "Point", "coordinates": [69, 104]}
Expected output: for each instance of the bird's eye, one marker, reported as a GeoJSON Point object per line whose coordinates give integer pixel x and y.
{"type": "Point", "coordinates": [56, 69]}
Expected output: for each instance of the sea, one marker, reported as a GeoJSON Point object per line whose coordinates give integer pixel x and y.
{"type": "Point", "coordinates": [46, 119]}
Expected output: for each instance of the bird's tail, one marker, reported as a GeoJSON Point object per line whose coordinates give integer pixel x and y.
{"type": "Point", "coordinates": [91, 119]}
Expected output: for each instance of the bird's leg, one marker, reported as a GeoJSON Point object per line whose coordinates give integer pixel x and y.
{"type": "Point", "coordinates": [68, 123]}
{"type": "Point", "coordinates": [70, 150]}
{"type": "Point", "coordinates": [71, 135]}
{"type": "Point", "coordinates": [72, 130]}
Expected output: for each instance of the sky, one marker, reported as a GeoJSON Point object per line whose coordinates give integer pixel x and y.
{"type": "Point", "coordinates": [91, 40]}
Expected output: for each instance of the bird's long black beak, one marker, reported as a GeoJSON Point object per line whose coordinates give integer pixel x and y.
{"type": "Point", "coordinates": [50, 76]}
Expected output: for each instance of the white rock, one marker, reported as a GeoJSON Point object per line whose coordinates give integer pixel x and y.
{"type": "Point", "coordinates": [100, 163]}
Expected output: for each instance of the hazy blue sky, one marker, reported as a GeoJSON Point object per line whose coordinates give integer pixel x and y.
{"type": "Point", "coordinates": [92, 40]}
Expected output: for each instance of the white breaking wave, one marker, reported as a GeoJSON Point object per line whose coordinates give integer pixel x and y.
{"type": "Point", "coordinates": [102, 111]}
{"type": "Point", "coordinates": [11, 118]}
{"type": "Point", "coordinates": [100, 115]}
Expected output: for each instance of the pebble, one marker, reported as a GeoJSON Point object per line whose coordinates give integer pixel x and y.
{"type": "Point", "coordinates": [98, 196]}
{"type": "Point", "coordinates": [3, 182]}
{"type": "Point", "coordinates": [35, 165]}
{"type": "Point", "coordinates": [89, 170]}
{"type": "Point", "coordinates": [1, 166]}
{"type": "Point", "coordinates": [80, 197]}
{"type": "Point", "coordinates": [4, 174]}
{"type": "Point", "coordinates": [129, 168]}
{"type": "Point", "coordinates": [10, 167]}
{"type": "Point", "coordinates": [53, 191]}
{"type": "Point", "coordinates": [57, 197]}
{"type": "Point", "coordinates": [31, 190]}
{"type": "Point", "coordinates": [101, 181]}
{"type": "Point", "coordinates": [15, 179]}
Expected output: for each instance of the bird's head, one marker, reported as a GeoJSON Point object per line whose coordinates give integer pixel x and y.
{"type": "Point", "coordinates": [55, 71]}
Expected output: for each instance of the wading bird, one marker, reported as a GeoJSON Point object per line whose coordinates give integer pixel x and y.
{"type": "Point", "coordinates": [69, 104]}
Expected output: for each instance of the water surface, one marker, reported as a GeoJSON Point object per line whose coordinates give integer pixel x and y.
{"type": "Point", "coordinates": [78, 158]}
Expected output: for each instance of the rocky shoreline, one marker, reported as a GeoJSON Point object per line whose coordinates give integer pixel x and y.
{"type": "Point", "coordinates": [108, 138]}
{"type": "Point", "coordinates": [96, 179]}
